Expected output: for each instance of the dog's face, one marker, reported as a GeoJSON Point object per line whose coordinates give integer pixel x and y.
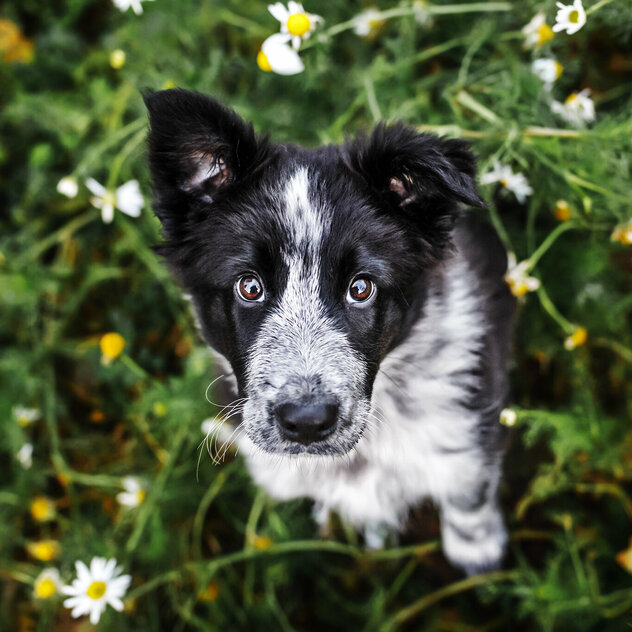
{"type": "Point", "coordinates": [305, 267]}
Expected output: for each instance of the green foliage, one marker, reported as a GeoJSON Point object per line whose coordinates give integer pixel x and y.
{"type": "Point", "coordinates": [205, 549]}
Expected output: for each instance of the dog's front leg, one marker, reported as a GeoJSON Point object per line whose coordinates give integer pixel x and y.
{"type": "Point", "coordinates": [472, 528]}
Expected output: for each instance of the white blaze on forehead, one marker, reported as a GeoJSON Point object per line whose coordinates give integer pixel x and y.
{"type": "Point", "coordinates": [305, 222]}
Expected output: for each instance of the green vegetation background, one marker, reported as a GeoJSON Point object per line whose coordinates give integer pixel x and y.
{"type": "Point", "coordinates": [66, 278]}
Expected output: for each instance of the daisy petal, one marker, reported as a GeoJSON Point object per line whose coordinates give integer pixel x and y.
{"type": "Point", "coordinates": [95, 187]}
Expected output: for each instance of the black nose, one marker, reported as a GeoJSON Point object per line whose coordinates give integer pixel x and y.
{"type": "Point", "coordinates": [306, 423]}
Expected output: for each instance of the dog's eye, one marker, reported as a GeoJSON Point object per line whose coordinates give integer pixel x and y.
{"type": "Point", "coordinates": [361, 290]}
{"type": "Point", "coordinates": [250, 288]}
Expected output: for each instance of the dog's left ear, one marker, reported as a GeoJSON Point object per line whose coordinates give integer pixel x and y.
{"type": "Point", "coordinates": [419, 177]}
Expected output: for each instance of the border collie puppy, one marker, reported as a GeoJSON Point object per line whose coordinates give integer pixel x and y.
{"type": "Point", "coordinates": [366, 319]}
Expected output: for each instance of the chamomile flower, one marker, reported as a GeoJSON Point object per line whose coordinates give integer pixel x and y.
{"type": "Point", "coordinates": [135, 5]}
{"type": "Point", "coordinates": [47, 584]}
{"type": "Point", "coordinates": [367, 22]}
{"type": "Point", "coordinates": [127, 198]}
{"type": "Point", "coordinates": [25, 455]}
{"type": "Point", "coordinates": [134, 493]}
{"type": "Point", "coordinates": [547, 70]}
{"type": "Point", "coordinates": [570, 17]}
{"type": "Point", "coordinates": [26, 416]}
{"type": "Point", "coordinates": [562, 211]}
{"type": "Point", "coordinates": [577, 110]}
{"type": "Point", "coordinates": [295, 22]}
{"type": "Point", "coordinates": [276, 55]}
{"type": "Point", "coordinates": [576, 339]}
{"type": "Point", "coordinates": [508, 417]}
{"type": "Point", "coordinates": [515, 182]}
{"type": "Point", "coordinates": [68, 186]}
{"type": "Point", "coordinates": [95, 588]}
{"type": "Point", "coordinates": [517, 276]}
{"type": "Point", "coordinates": [623, 233]}
{"type": "Point", "coordinates": [537, 32]}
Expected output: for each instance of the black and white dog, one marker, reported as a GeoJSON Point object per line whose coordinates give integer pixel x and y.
{"type": "Point", "coordinates": [365, 318]}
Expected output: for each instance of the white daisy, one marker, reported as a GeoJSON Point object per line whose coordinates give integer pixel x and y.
{"type": "Point", "coordinates": [514, 182]}
{"type": "Point", "coordinates": [537, 32]}
{"type": "Point", "coordinates": [276, 55]}
{"type": "Point", "coordinates": [367, 22]}
{"type": "Point", "coordinates": [517, 276]}
{"type": "Point", "coordinates": [26, 416]}
{"type": "Point", "coordinates": [95, 588]}
{"type": "Point", "coordinates": [135, 5]}
{"type": "Point", "coordinates": [570, 17]}
{"type": "Point", "coordinates": [134, 493]}
{"type": "Point", "coordinates": [25, 455]}
{"type": "Point", "coordinates": [47, 584]}
{"type": "Point", "coordinates": [68, 186]}
{"type": "Point", "coordinates": [508, 417]}
{"type": "Point", "coordinates": [547, 70]}
{"type": "Point", "coordinates": [127, 198]}
{"type": "Point", "coordinates": [577, 109]}
{"type": "Point", "coordinates": [294, 21]}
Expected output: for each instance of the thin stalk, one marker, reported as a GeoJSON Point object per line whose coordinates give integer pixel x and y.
{"type": "Point", "coordinates": [451, 589]}
{"type": "Point", "coordinates": [549, 241]}
{"type": "Point", "coordinates": [198, 521]}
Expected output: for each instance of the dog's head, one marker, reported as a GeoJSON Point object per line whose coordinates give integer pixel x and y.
{"type": "Point", "coordinates": [305, 267]}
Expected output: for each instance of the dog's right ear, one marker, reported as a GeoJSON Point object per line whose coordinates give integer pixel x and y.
{"type": "Point", "coordinates": [198, 149]}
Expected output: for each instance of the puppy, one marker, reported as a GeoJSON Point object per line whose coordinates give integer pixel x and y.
{"type": "Point", "coordinates": [365, 317]}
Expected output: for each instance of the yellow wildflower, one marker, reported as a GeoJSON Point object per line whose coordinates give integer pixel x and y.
{"type": "Point", "coordinates": [43, 550]}
{"type": "Point", "coordinates": [14, 47]}
{"type": "Point", "coordinates": [261, 543]}
{"type": "Point", "coordinates": [624, 558]}
{"type": "Point", "coordinates": [117, 58]}
{"type": "Point", "coordinates": [210, 593]}
{"type": "Point", "coordinates": [112, 345]}
{"type": "Point", "coordinates": [562, 211]}
{"type": "Point", "coordinates": [42, 509]}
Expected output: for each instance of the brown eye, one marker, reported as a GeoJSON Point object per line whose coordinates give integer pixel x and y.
{"type": "Point", "coordinates": [361, 290]}
{"type": "Point", "coordinates": [250, 288]}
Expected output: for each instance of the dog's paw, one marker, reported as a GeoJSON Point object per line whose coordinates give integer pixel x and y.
{"type": "Point", "coordinates": [477, 550]}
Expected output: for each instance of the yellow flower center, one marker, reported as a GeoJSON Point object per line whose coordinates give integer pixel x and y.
{"type": "Point", "coordinates": [545, 34]}
{"type": "Point", "coordinates": [559, 69]}
{"type": "Point", "coordinates": [262, 62]}
{"type": "Point", "coordinates": [573, 16]}
{"type": "Point", "coordinates": [503, 182]}
{"type": "Point", "coordinates": [298, 24]}
{"type": "Point", "coordinates": [579, 336]}
{"type": "Point", "coordinates": [45, 588]}
{"type": "Point", "coordinates": [518, 288]}
{"type": "Point", "coordinates": [112, 345]}
{"type": "Point", "coordinates": [96, 590]}
{"type": "Point", "coordinates": [140, 495]}
{"type": "Point", "coordinates": [570, 98]}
